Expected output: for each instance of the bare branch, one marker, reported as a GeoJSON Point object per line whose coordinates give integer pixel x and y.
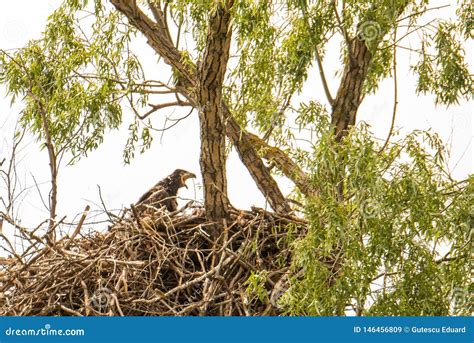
{"type": "Point", "coordinates": [175, 121]}
{"type": "Point", "coordinates": [323, 79]}
{"type": "Point", "coordinates": [422, 12]}
{"type": "Point", "coordinates": [395, 93]}
{"type": "Point", "coordinates": [341, 26]}
{"type": "Point", "coordinates": [78, 227]}
{"type": "Point", "coordinates": [53, 163]}
{"type": "Point", "coordinates": [157, 107]}
{"type": "Point", "coordinates": [159, 17]}
{"type": "Point", "coordinates": [257, 169]}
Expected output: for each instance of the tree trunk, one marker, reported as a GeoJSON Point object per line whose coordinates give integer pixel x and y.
{"type": "Point", "coordinates": [349, 95]}
{"type": "Point", "coordinates": [211, 78]}
{"type": "Point", "coordinates": [53, 168]}
{"type": "Point", "coordinates": [213, 164]}
{"type": "Point", "coordinates": [246, 149]}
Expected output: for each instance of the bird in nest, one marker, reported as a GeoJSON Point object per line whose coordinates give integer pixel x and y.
{"type": "Point", "coordinates": [164, 193]}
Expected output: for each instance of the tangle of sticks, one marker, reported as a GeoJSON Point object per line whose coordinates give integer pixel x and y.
{"type": "Point", "coordinates": [155, 264]}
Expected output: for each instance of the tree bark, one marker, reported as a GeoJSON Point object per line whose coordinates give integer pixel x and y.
{"type": "Point", "coordinates": [349, 95]}
{"type": "Point", "coordinates": [249, 156]}
{"type": "Point", "coordinates": [285, 164]}
{"type": "Point", "coordinates": [210, 79]}
{"type": "Point", "coordinates": [53, 167]}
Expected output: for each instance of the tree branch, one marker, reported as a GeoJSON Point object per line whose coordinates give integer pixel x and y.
{"type": "Point", "coordinates": [157, 37]}
{"type": "Point", "coordinates": [350, 93]}
{"type": "Point", "coordinates": [395, 93]}
{"type": "Point", "coordinates": [323, 78]}
{"type": "Point", "coordinates": [155, 8]}
{"type": "Point", "coordinates": [257, 169]}
{"type": "Point", "coordinates": [53, 164]}
{"type": "Point", "coordinates": [285, 164]}
{"type": "Point", "coordinates": [341, 26]}
{"type": "Point", "coordinates": [157, 107]}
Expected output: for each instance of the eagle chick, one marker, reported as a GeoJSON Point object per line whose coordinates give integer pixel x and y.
{"type": "Point", "coordinates": [164, 193]}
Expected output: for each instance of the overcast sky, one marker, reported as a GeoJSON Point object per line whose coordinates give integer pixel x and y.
{"type": "Point", "coordinates": [121, 185]}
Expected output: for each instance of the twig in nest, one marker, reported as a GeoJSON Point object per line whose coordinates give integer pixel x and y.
{"type": "Point", "coordinates": [78, 227]}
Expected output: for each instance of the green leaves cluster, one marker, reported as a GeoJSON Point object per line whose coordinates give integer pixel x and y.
{"type": "Point", "coordinates": [395, 243]}
{"type": "Point", "coordinates": [443, 70]}
{"type": "Point", "coordinates": [75, 76]}
{"type": "Point", "coordinates": [276, 46]}
{"type": "Point", "coordinates": [192, 16]}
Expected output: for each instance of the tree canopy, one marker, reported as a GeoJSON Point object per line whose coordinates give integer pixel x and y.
{"type": "Point", "coordinates": [389, 228]}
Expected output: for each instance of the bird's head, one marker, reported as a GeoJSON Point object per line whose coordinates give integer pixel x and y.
{"type": "Point", "coordinates": [181, 176]}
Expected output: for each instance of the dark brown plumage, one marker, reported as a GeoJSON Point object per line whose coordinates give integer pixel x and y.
{"type": "Point", "coordinates": [164, 193]}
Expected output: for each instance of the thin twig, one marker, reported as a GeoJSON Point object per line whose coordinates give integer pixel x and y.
{"type": "Point", "coordinates": [323, 79]}
{"type": "Point", "coordinates": [395, 93]}
{"type": "Point", "coordinates": [157, 107]}
{"type": "Point", "coordinates": [79, 227]}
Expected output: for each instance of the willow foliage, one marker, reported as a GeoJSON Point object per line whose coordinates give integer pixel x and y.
{"type": "Point", "coordinates": [78, 74]}
{"type": "Point", "coordinates": [392, 224]}
{"type": "Point", "coordinates": [400, 236]}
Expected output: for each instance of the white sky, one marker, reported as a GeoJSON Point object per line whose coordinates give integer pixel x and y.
{"type": "Point", "coordinates": [121, 185]}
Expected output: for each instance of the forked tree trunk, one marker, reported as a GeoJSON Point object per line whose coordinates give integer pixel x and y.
{"type": "Point", "coordinates": [203, 89]}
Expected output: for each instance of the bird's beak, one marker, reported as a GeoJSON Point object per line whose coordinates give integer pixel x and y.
{"type": "Point", "coordinates": [187, 176]}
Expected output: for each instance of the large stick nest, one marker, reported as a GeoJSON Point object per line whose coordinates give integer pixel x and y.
{"type": "Point", "coordinates": [157, 264]}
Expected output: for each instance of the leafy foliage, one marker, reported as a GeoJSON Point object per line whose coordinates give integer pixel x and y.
{"type": "Point", "coordinates": [466, 21]}
{"type": "Point", "coordinates": [397, 242]}
{"type": "Point", "coordinates": [277, 46]}
{"type": "Point", "coordinates": [78, 80]}
{"type": "Point", "coordinates": [445, 73]}
{"type": "Point", "coordinates": [389, 230]}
